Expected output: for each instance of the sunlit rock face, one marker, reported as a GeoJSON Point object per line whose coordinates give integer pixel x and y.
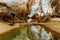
{"type": "Point", "coordinates": [53, 7]}
{"type": "Point", "coordinates": [34, 8]}
{"type": "Point", "coordinates": [46, 7]}
{"type": "Point", "coordinates": [58, 6]}
{"type": "Point", "coordinates": [19, 6]}
{"type": "Point", "coordinates": [14, 2]}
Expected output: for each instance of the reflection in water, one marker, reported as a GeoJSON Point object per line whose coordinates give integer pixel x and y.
{"type": "Point", "coordinates": [10, 35]}
{"type": "Point", "coordinates": [43, 35]}
{"type": "Point", "coordinates": [34, 29]}
{"type": "Point", "coordinates": [26, 33]}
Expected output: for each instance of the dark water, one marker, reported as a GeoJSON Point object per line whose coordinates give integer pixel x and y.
{"type": "Point", "coordinates": [26, 33]}
{"type": "Point", "coordinates": [10, 35]}
{"type": "Point", "coordinates": [23, 33]}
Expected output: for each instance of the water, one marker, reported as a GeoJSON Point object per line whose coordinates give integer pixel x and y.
{"type": "Point", "coordinates": [40, 34]}
{"type": "Point", "coordinates": [45, 35]}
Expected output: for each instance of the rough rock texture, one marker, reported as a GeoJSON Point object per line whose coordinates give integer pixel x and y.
{"type": "Point", "coordinates": [56, 4]}
{"type": "Point", "coordinates": [23, 7]}
{"type": "Point", "coordinates": [20, 6]}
